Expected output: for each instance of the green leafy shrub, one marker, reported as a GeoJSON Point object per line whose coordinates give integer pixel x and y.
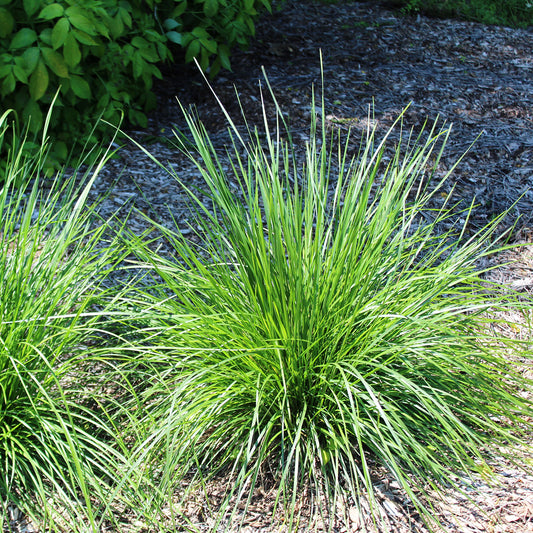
{"type": "Point", "coordinates": [319, 322]}
{"type": "Point", "coordinates": [102, 56]}
{"type": "Point", "coordinates": [61, 461]}
{"type": "Point", "coordinates": [210, 28]}
{"type": "Point", "coordinates": [515, 13]}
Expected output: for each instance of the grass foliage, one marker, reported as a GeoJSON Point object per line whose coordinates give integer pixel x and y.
{"type": "Point", "coordinates": [323, 318]}
{"type": "Point", "coordinates": [59, 455]}
{"type": "Point", "coordinates": [320, 322]}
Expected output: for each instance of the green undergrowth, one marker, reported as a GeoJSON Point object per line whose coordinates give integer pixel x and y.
{"type": "Point", "coordinates": [513, 13]}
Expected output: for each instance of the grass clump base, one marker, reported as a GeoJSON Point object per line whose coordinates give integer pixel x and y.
{"type": "Point", "coordinates": [325, 323]}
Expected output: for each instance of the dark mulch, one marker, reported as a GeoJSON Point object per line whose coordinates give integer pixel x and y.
{"type": "Point", "coordinates": [478, 78]}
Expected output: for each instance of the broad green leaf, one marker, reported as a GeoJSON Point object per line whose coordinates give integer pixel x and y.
{"type": "Point", "coordinates": [204, 39]}
{"type": "Point", "coordinates": [84, 38]}
{"type": "Point", "coordinates": [152, 36]}
{"type": "Point", "coordinates": [79, 20]}
{"type": "Point", "coordinates": [33, 116]}
{"type": "Point", "coordinates": [209, 45]}
{"type": "Point", "coordinates": [251, 26]}
{"type": "Point", "coordinates": [52, 11]}
{"type": "Point", "coordinates": [116, 26]}
{"type": "Point", "coordinates": [138, 118]}
{"type": "Point", "coordinates": [39, 81]}
{"type": "Point", "coordinates": [170, 24]}
{"type": "Point", "coordinates": [149, 53]}
{"type": "Point", "coordinates": [5, 70]}
{"type": "Point", "coordinates": [146, 49]}
{"type": "Point", "coordinates": [55, 62]}
{"type": "Point", "coordinates": [200, 33]}
{"type": "Point", "coordinates": [31, 6]}
{"type": "Point", "coordinates": [138, 64]}
{"type": "Point", "coordinates": [103, 101]}
{"type": "Point", "coordinates": [204, 60]}
{"type": "Point", "coordinates": [80, 87]}
{"type": "Point", "coordinates": [7, 22]}
{"type": "Point", "coordinates": [157, 73]}
{"type": "Point", "coordinates": [163, 51]}
{"type": "Point", "coordinates": [223, 54]}
{"type": "Point", "coordinates": [20, 74]}
{"type": "Point", "coordinates": [214, 68]}
{"type": "Point", "coordinates": [125, 16]}
{"type": "Point", "coordinates": [192, 50]}
{"type": "Point", "coordinates": [179, 9]}
{"type": "Point", "coordinates": [8, 84]}
{"type": "Point", "coordinates": [71, 51]}
{"type": "Point", "coordinates": [210, 8]}
{"type": "Point", "coordinates": [46, 36]}
{"type": "Point", "coordinates": [60, 32]}
{"type": "Point", "coordinates": [23, 38]}
{"type": "Point", "coordinates": [267, 4]}
{"type": "Point", "coordinates": [101, 29]}
{"type": "Point", "coordinates": [147, 77]}
{"type": "Point", "coordinates": [174, 36]}
{"type": "Point", "coordinates": [31, 58]}
{"type": "Point", "coordinates": [139, 42]}
{"type": "Point", "coordinates": [112, 115]}
{"type": "Point", "coordinates": [128, 52]}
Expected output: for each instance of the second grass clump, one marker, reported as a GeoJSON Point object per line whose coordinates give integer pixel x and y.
{"type": "Point", "coordinates": [63, 463]}
{"type": "Point", "coordinates": [324, 324]}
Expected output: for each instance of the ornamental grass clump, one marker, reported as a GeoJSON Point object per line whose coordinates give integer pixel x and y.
{"type": "Point", "coordinates": [322, 322]}
{"type": "Point", "coordinates": [60, 459]}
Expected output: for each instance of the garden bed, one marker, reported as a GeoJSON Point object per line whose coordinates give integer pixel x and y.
{"type": "Point", "coordinates": [375, 63]}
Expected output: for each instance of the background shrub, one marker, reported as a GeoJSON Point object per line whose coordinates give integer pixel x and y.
{"type": "Point", "coordinates": [102, 55]}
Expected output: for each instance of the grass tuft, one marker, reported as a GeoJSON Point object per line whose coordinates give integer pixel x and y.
{"type": "Point", "coordinates": [60, 459]}
{"type": "Point", "coordinates": [325, 324]}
